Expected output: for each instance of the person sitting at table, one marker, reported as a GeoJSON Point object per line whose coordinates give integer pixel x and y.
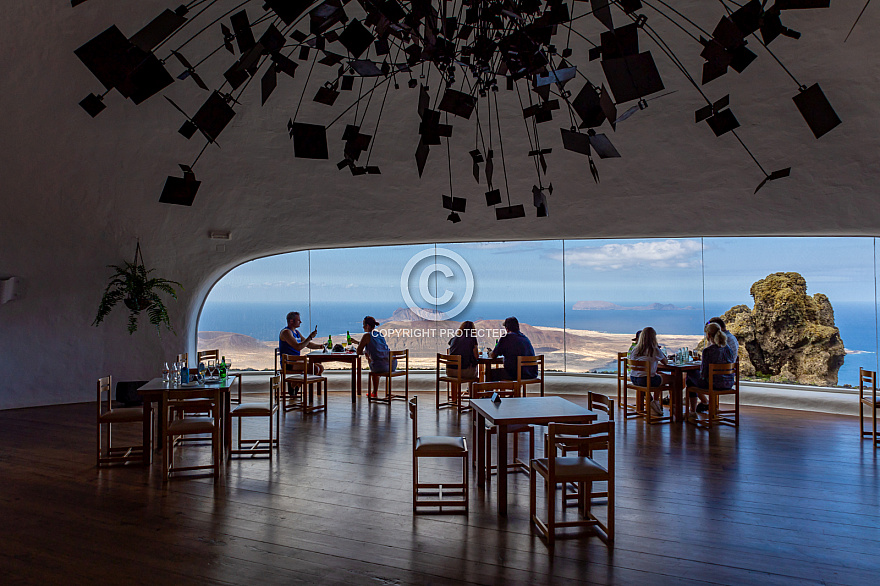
{"type": "Point", "coordinates": [464, 344]}
{"type": "Point", "coordinates": [648, 349]}
{"type": "Point", "coordinates": [373, 345]}
{"type": "Point", "coordinates": [512, 345]}
{"type": "Point", "coordinates": [717, 351]}
{"type": "Point", "coordinates": [290, 341]}
{"type": "Point", "coordinates": [731, 339]}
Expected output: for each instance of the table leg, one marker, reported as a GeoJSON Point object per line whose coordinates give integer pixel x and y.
{"type": "Point", "coordinates": [502, 470]}
{"type": "Point", "coordinates": [148, 432]}
{"type": "Point", "coordinates": [359, 375]}
{"type": "Point", "coordinates": [227, 425]}
{"type": "Point", "coordinates": [480, 443]}
{"type": "Point", "coordinates": [675, 404]}
{"type": "Point", "coordinates": [353, 382]}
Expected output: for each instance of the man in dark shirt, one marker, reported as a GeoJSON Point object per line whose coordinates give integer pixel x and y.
{"type": "Point", "coordinates": [512, 345]}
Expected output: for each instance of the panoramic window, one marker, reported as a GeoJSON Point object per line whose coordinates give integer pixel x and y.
{"type": "Point", "coordinates": [803, 308]}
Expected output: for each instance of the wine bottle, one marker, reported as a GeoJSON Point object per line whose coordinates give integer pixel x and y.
{"type": "Point", "coordinates": [223, 367]}
{"type": "Point", "coordinates": [347, 338]}
{"type": "Point", "coordinates": [329, 343]}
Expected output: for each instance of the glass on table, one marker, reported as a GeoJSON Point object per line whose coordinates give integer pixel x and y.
{"type": "Point", "coordinates": [165, 373]}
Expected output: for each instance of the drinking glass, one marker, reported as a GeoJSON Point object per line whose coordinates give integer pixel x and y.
{"type": "Point", "coordinates": [202, 371]}
{"type": "Point", "coordinates": [211, 372]}
{"type": "Point", "coordinates": [165, 373]}
{"type": "Point", "coordinates": [175, 373]}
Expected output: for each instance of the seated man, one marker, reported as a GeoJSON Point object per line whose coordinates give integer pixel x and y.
{"type": "Point", "coordinates": [512, 345]}
{"type": "Point", "coordinates": [291, 342]}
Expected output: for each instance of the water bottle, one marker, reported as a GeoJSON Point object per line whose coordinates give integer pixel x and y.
{"type": "Point", "coordinates": [184, 374]}
{"type": "Point", "coordinates": [223, 368]}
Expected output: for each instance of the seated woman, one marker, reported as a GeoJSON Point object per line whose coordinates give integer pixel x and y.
{"type": "Point", "coordinates": [373, 345]}
{"type": "Point", "coordinates": [648, 349]}
{"type": "Point", "coordinates": [717, 351]}
{"type": "Point", "coordinates": [464, 344]}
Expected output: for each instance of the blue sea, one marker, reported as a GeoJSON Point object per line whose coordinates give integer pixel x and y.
{"type": "Point", "coordinates": [263, 321]}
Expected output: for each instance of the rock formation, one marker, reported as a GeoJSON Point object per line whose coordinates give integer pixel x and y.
{"type": "Point", "coordinates": [788, 335]}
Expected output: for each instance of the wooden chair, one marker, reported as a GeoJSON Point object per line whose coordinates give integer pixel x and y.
{"type": "Point", "coordinates": [454, 395]}
{"type": "Point", "coordinates": [521, 382]}
{"type": "Point", "coordinates": [180, 427]}
{"type": "Point", "coordinates": [395, 359]}
{"type": "Point", "coordinates": [642, 405]}
{"type": "Point", "coordinates": [107, 416]}
{"type": "Point", "coordinates": [268, 410]}
{"type": "Point", "coordinates": [505, 389]}
{"type": "Point", "coordinates": [582, 469]}
{"type": "Point", "coordinates": [295, 372]}
{"type": "Point", "coordinates": [716, 415]}
{"type": "Point", "coordinates": [622, 379]}
{"type": "Point", "coordinates": [438, 447]}
{"type": "Point", "coordinates": [595, 402]}
{"type": "Point", "coordinates": [868, 381]}
{"type": "Point", "coordinates": [204, 355]}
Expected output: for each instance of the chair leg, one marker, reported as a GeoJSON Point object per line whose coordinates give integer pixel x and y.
{"type": "Point", "coordinates": [551, 513]}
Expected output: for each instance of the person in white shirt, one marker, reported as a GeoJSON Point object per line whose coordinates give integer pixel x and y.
{"type": "Point", "coordinates": [648, 349]}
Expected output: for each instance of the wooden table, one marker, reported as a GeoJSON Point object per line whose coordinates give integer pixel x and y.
{"type": "Point", "coordinates": [514, 411]}
{"type": "Point", "coordinates": [484, 362]}
{"type": "Point", "coordinates": [678, 372]}
{"type": "Point", "coordinates": [352, 358]}
{"type": "Point", "coordinates": [156, 391]}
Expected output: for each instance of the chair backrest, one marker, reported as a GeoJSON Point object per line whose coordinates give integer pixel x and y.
{"type": "Point", "coordinates": [587, 437]}
{"type": "Point", "coordinates": [867, 380]}
{"type": "Point", "coordinates": [621, 365]}
{"type": "Point", "coordinates": [414, 415]}
{"type": "Point", "coordinates": [724, 369]}
{"type": "Point", "coordinates": [599, 402]}
{"type": "Point", "coordinates": [449, 361]}
{"type": "Point", "coordinates": [274, 391]}
{"type": "Point", "coordinates": [396, 355]}
{"type": "Point", "coordinates": [180, 397]}
{"type": "Point", "coordinates": [485, 390]}
{"type": "Point", "coordinates": [641, 365]}
{"type": "Point", "coordinates": [291, 364]}
{"type": "Point", "coordinates": [105, 384]}
{"type": "Point", "coordinates": [208, 355]}
{"type": "Point", "coordinates": [522, 361]}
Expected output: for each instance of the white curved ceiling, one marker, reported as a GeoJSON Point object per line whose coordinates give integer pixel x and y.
{"type": "Point", "coordinates": [77, 191]}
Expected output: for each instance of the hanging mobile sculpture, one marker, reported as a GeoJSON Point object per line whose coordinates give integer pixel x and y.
{"type": "Point", "coordinates": [471, 45]}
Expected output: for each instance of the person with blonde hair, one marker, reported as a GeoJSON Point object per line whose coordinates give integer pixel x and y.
{"type": "Point", "coordinates": [717, 351]}
{"type": "Point", "coordinates": [649, 350]}
{"type": "Point", "coordinates": [464, 344]}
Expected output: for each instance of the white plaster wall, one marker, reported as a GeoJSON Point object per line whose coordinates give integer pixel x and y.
{"type": "Point", "coordinates": [76, 193]}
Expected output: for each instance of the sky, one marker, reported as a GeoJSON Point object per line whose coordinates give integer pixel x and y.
{"type": "Point", "coordinates": [626, 272]}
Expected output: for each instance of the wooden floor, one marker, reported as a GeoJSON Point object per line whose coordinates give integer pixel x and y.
{"type": "Point", "coordinates": [791, 498]}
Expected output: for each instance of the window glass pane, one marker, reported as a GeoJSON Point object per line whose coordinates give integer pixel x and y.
{"type": "Point", "coordinates": [840, 268]}
{"type": "Point", "coordinates": [614, 288]}
{"type": "Point", "coordinates": [521, 280]}
{"type": "Point", "coordinates": [351, 283]}
{"type": "Point", "coordinates": [245, 311]}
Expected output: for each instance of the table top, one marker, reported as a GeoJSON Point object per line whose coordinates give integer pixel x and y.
{"type": "Point", "coordinates": [487, 360]}
{"type": "Point", "coordinates": [695, 365]}
{"type": "Point", "coordinates": [318, 355]}
{"type": "Point", "coordinates": [157, 386]}
{"type": "Point", "coordinates": [532, 410]}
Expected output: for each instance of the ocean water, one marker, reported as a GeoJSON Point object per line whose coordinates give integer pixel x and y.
{"type": "Point", "coordinates": [263, 321]}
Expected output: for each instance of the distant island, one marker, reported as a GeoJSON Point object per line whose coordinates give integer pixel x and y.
{"type": "Point", "coordinates": [608, 306]}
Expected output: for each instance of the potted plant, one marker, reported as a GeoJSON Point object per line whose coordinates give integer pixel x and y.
{"type": "Point", "coordinates": [131, 283]}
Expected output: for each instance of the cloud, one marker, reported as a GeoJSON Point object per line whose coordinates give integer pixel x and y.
{"type": "Point", "coordinates": [650, 253]}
